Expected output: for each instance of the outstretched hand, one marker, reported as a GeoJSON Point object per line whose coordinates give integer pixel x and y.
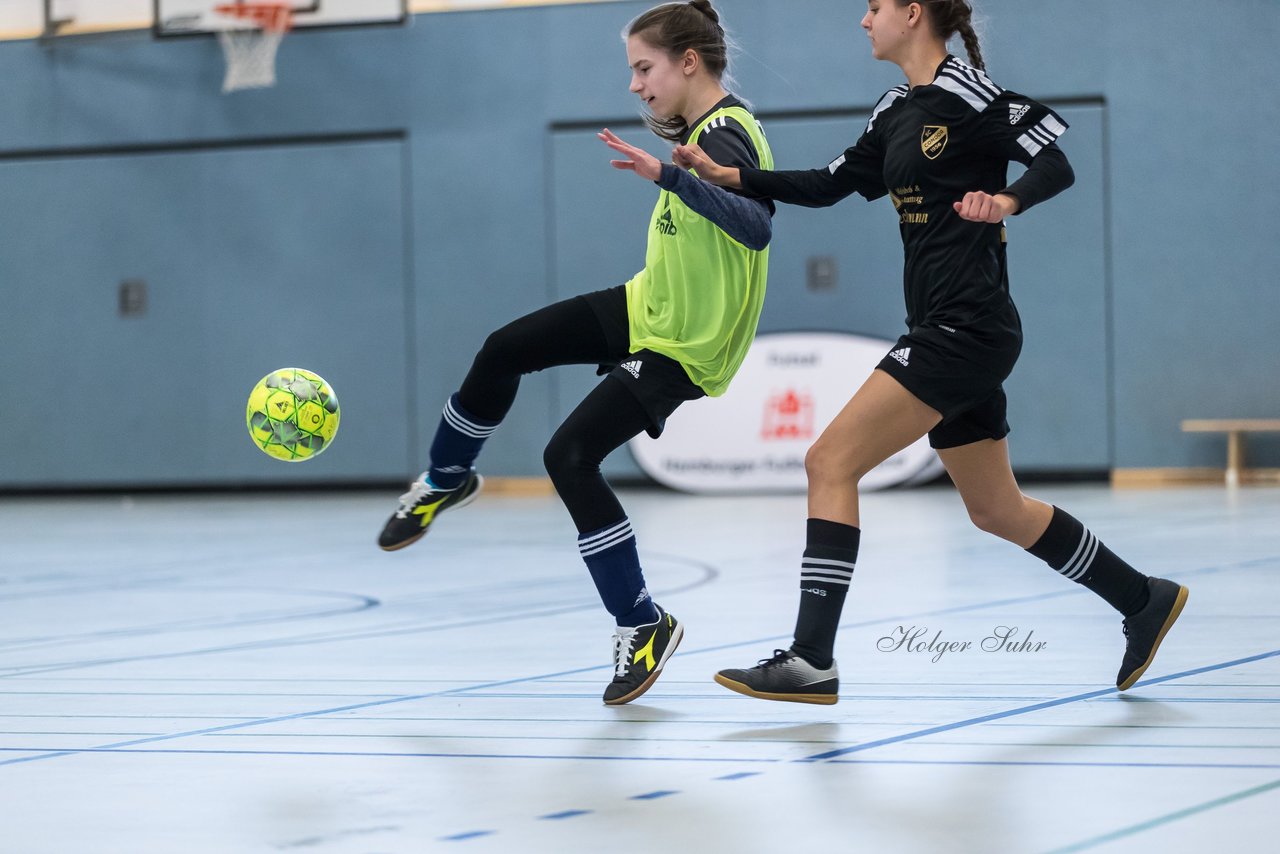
{"type": "Point", "coordinates": [691, 156]}
{"type": "Point", "coordinates": [983, 207]}
{"type": "Point", "coordinates": [638, 160]}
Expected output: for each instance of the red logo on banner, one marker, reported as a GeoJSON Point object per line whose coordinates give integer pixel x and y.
{"type": "Point", "coordinates": [788, 416]}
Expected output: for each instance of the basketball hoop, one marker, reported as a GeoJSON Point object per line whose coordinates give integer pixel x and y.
{"type": "Point", "coordinates": [249, 41]}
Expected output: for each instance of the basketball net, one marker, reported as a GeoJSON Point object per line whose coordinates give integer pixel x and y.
{"type": "Point", "coordinates": [249, 43]}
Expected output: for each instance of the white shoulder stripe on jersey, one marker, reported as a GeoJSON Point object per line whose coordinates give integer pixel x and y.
{"type": "Point", "coordinates": [967, 82]}
{"type": "Point", "coordinates": [974, 86]}
{"type": "Point", "coordinates": [885, 103]}
{"type": "Point", "coordinates": [964, 89]}
{"type": "Point", "coordinates": [1033, 148]}
{"type": "Point", "coordinates": [978, 72]}
{"type": "Point", "coordinates": [979, 78]}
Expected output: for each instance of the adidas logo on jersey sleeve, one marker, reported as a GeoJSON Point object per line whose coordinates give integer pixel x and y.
{"type": "Point", "coordinates": [1017, 111]}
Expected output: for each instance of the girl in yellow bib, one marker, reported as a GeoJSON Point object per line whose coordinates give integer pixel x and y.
{"type": "Point", "coordinates": [678, 330]}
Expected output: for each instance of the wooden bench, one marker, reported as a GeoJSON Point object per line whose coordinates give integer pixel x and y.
{"type": "Point", "coordinates": [1235, 428]}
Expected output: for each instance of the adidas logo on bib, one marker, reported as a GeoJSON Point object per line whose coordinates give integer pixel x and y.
{"type": "Point", "coordinates": [632, 368]}
{"type": "Point", "coordinates": [901, 355]}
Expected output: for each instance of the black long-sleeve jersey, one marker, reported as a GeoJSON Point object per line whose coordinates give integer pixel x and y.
{"type": "Point", "coordinates": [926, 147]}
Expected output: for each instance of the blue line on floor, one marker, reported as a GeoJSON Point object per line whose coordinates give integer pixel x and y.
{"type": "Point", "coordinates": [570, 757]}
{"type": "Point", "coordinates": [1174, 700]}
{"type": "Point", "coordinates": [1166, 819]}
{"type": "Point", "coordinates": [1047, 764]}
{"type": "Point", "coordinates": [470, 834]}
{"type": "Point", "coordinates": [579, 758]}
{"type": "Point", "coordinates": [1022, 710]}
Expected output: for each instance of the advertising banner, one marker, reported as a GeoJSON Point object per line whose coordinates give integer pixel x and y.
{"type": "Point", "coordinates": [754, 437]}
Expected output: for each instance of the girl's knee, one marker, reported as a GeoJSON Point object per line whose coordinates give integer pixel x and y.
{"type": "Point", "coordinates": [827, 462]}
{"type": "Point", "coordinates": [557, 457]}
{"type": "Point", "coordinates": [565, 457]}
{"type": "Point", "coordinates": [1002, 519]}
{"type": "Point", "coordinates": [498, 347]}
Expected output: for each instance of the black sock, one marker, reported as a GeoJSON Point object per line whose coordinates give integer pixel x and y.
{"type": "Point", "coordinates": [1073, 550]}
{"type": "Point", "coordinates": [831, 550]}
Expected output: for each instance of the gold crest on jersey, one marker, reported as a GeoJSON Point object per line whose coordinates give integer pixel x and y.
{"type": "Point", "coordinates": [933, 139]}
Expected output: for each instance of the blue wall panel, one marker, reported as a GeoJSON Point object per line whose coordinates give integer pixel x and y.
{"type": "Point", "coordinates": [1196, 228]}
{"type": "Point", "coordinates": [252, 262]}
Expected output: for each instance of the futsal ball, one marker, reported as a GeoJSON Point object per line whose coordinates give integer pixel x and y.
{"type": "Point", "coordinates": [292, 414]}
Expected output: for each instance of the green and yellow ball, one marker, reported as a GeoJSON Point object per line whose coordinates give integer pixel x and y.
{"type": "Point", "coordinates": [292, 415]}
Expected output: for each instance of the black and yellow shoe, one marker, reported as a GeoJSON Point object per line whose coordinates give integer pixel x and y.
{"type": "Point", "coordinates": [420, 506]}
{"type": "Point", "coordinates": [638, 657]}
{"type": "Point", "coordinates": [1146, 629]}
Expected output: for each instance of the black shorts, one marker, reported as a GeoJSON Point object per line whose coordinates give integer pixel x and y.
{"type": "Point", "coordinates": [659, 382]}
{"type": "Point", "coordinates": [960, 374]}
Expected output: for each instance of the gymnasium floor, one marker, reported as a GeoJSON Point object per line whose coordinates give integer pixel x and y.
{"type": "Point", "coordinates": [250, 674]}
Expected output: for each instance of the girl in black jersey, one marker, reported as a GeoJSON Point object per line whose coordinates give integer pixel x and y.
{"type": "Point", "coordinates": [675, 332]}
{"type": "Point", "coordinates": [939, 147]}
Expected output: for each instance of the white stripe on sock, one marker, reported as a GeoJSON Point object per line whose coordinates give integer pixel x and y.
{"type": "Point", "coordinates": [622, 537]}
{"type": "Point", "coordinates": [589, 539]}
{"type": "Point", "coordinates": [463, 425]}
{"type": "Point", "coordinates": [606, 539]}
{"type": "Point", "coordinates": [1087, 561]}
{"type": "Point", "coordinates": [825, 579]}
{"type": "Point", "coordinates": [1083, 557]}
{"type": "Point", "coordinates": [822, 561]}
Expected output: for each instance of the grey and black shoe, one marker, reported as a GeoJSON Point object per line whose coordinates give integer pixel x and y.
{"type": "Point", "coordinates": [420, 505]}
{"type": "Point", "coordinates": [787, 677]}
{"type": "Point", "coordinates": [638, 657]}
{"type": "Point", "coordinates": [1146, 629]}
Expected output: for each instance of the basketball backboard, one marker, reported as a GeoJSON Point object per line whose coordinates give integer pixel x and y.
{"type": "Point", "coordinates": [185, 17]}
{"type": "Point", "coordinates": [24, 19]}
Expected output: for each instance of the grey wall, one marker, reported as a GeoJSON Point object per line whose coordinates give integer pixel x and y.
{"type": "Point", "coordinates": [403, 191]}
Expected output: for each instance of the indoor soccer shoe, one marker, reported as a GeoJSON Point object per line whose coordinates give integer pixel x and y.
{"type": "Point", "coordinates": [1146, 629]}
{"type": "Point", "coordinates": [638, 656]}
{"type": "Point", "coordinates": [786, 676]}
{"type": "Point", "coordinates": [420, 505]}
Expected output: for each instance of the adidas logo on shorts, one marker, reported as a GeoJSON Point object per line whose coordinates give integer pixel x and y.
{"type": "Point", "coordinates": [632, 368]}
{"type": "Point", "coordinates": [902, 355]}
